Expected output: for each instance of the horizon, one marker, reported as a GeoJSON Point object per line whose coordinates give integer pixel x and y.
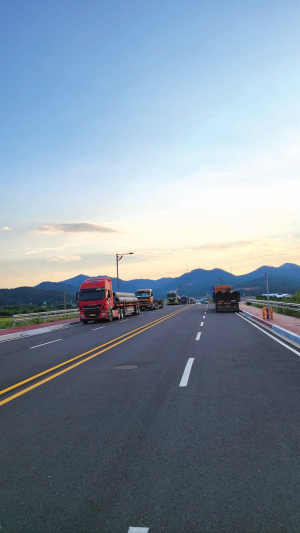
{"type": "Point", "coordinates": [152, 279]}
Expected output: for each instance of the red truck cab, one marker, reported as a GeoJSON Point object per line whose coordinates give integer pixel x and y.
{"type": "Point", "coordinates": [97, 301]}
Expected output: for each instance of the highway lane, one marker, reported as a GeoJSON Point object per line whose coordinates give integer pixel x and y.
{"type": "Point", "coordinates": [20, 359]}
{"type": "Point", "coordinates": [104, 449]}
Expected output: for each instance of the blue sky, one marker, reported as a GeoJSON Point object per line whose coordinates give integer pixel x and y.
{"type": "Point", "coordinates": [141, 117]}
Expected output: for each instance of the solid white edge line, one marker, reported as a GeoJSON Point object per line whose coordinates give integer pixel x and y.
{"type": "Point", "coordinates": [202, 323]}
{"type": "Point", "coordinates": [44, 344]}
{"type": "Point", "coordinates": [138, 530]}
{"type": "Point", "coordinates": [125, 320]}
{"type": "Point", "coordinates": [198, 336]}
{"type": "Point", "coordinates": [100, 327]}
{"type": "Point", "coordinates": [186, 373]}
{"type": "Point", "coordinates": [269, 335]}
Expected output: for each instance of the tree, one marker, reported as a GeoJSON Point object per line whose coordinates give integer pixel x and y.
{"type": "Point", "coordinates": [297, 296]}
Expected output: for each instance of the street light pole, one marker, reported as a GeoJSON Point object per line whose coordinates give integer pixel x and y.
{"type": "Point", "coordinates": [118, 258]}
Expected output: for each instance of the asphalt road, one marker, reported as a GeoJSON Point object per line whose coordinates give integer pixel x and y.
{"type": "Point", "coordinates": [194, 433]}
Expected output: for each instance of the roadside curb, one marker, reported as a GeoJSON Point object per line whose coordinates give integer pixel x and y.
{"type": "Point", "coordinates": [33, 332]}
{"type": "Point", "coordinates": [288, 335]}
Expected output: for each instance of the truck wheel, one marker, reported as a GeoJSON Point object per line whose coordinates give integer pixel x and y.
{"type": "Point", "coordinates": [119, 314]}
{"type": "Point", "coordinates": [110, 317]}
{"type": "Point", "coordinates": [122, 313]}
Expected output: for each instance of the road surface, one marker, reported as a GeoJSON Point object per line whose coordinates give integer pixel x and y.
{"type": "Point", "coordinates": [178, 421]}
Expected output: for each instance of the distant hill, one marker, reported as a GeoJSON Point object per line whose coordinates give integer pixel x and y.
{"type": "Point", "coordinates": [49, 285]}
{"type": "Point", "coordinates": [125, 286]}
{"type": "Point", "coordinates": [27, 295]}
{"type": "Point", "coordinates": [285, 278]}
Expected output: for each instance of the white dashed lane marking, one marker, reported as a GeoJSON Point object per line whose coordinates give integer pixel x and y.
{"type": "Point", "coordinates": [31, 347]}
{"type": "Point", "coordinates": [138, 530]}
{"type": "Point", "coordinates": [186, 373]}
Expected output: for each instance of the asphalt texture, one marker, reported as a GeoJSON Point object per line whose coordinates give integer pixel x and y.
{"type": "Point", "coordinates": [101, 449]}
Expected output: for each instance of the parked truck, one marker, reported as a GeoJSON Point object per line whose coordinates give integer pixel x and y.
{"type": "Point", "coordinates": [184, 299]}
{"type": "Point", "coordinates": [226, 299]}
{"type": "Point", "coordinates": [173, 298]}
{"type": "Point", "coordinates": [147, 300]}
{"type": "Point", "coordinates": [97, 301]}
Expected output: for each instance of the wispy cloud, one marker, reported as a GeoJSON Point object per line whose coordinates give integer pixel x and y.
{"type": "Point", "coordinates": [195, 250]}
{"type": "Point", "coordinates": [6, 228]}
{"type": "Point", "coordinates": [82, 227]}
{"type": "Point", "coordinates": [64, 258]}
{"type": "Point", "coordinates": [41, 250]}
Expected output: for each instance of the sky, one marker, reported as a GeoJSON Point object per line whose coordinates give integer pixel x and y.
{"type": "Point", "coordinates": [166, 128]}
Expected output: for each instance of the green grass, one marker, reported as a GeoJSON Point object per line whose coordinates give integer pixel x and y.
{"type": "Point", "coordinates": [6, 323]}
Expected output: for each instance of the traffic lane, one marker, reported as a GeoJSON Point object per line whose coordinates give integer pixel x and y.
{"type": "Point", "coordinates": [20, 360]}
{"type": "Point", "coordinates": [77, 437]}
{"type": "Point", "coordinates": [221, 454]}
{"type": "Point", "coordinates": [35, 380]}
{"type": "Point", "coordinates": [238, 465]}
{"type": "Point", "coordinates": [17, 345]}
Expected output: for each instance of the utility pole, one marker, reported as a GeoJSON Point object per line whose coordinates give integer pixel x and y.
{"type": "Point", "coordinates": [64, 300]}
{"type": "Point", "coordinates": [118, 258]}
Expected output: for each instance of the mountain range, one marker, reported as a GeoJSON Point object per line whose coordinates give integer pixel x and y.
{"type": "Point", "coordinates": [198, 282]}
{"type": "Point", "coordinates": [285, 278]}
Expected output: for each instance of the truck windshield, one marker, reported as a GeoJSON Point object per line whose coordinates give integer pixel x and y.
{"type": "Point", "coordinates": [91, 294]}
{"type": "Point", "coordinates": [142, 294]}
{"type": "Point", "coordinates": [171, 294]}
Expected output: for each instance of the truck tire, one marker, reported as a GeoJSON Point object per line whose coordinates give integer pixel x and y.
{"type": "Point", "coordinates": [119, 314]}
{"type": "Point", "coordinates": [110, 316]}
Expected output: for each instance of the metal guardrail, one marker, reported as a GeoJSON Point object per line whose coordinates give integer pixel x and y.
{"type": "Point", "coordinates": [282, 305]}
{"type": "Point", "coordinates": [45, 316]}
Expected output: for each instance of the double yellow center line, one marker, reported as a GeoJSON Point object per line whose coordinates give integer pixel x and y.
{"type": "Point", "coordinates": [103, 348]}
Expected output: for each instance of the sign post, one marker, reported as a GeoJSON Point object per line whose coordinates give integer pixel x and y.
{"type": "Point", "coordinates": [267, 279]}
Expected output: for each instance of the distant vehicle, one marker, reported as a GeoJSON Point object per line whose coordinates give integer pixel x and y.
{"type": "Point", "coordinates": [184, 299]}
{"type": "Point", "coordinates": [226, 299]}
{"type": "Point", "coordinates": [192, 301]}
{"type": "Point", "coordinates": [173, 298]}
{"type": "Point", "coordinates": [97, 301]}
{"type": "Point", "coordinates": [147, 301]}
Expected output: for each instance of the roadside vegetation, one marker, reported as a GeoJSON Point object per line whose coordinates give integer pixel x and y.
{"type": "Point", "coordinates": [293, 299]}
{"type": "Point", "coordinates": [7, 312]}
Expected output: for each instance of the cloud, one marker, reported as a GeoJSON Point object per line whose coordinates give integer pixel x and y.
{"type": "Point", "coordinates": [81, 227]}
{"type": "Point", "coordinates": [41, 250]}
{"type": "Point", "coordinates": [194, 250]}
{"type": "Point", "coordinates": [64, 258]}
{"type": "Point", "coordinates": [6, 228]}
{"type": "Point", "coordinates": [223, 245]}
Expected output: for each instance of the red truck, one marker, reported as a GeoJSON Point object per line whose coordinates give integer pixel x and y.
{"type": "Point", "coordinates": [97, 301]}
